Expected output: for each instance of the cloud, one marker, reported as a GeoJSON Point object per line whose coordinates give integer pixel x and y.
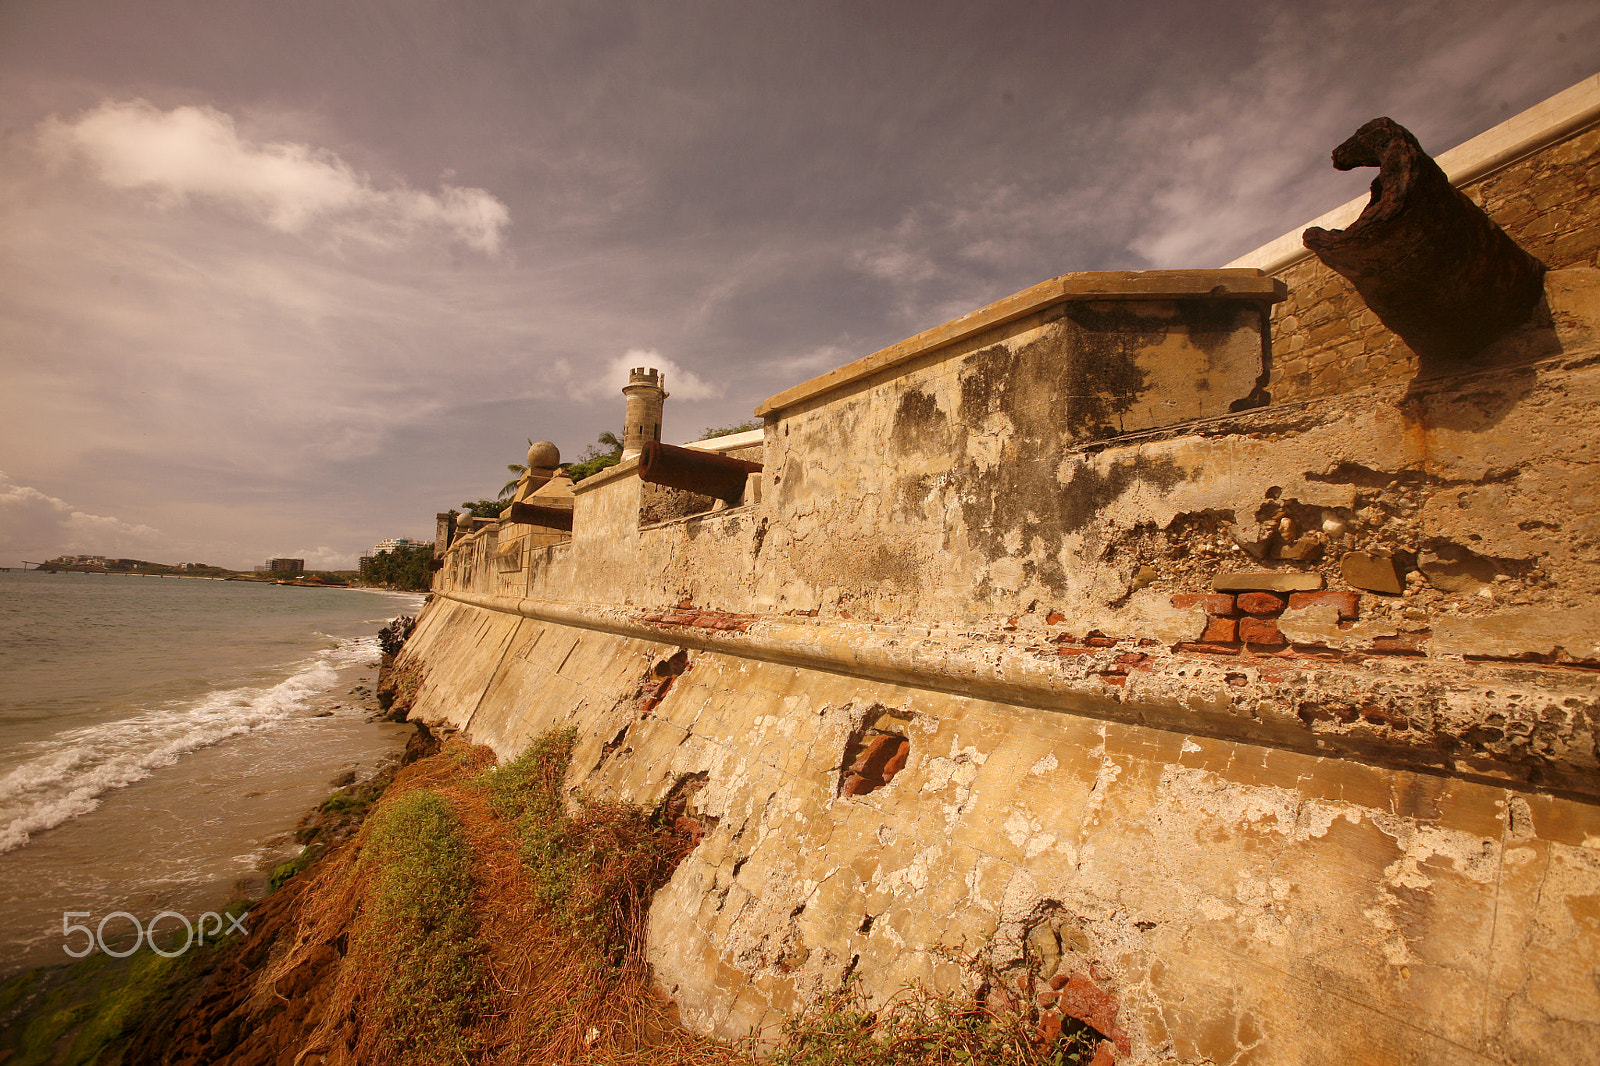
{"type": "Point", "coordinates": [36, 524]}
{"type": "Point", "coordinates": [323, 557]}
{"type": "Point", "coordinates": [607, 381]}
{"type": "Point", "coordinates": [196, 152]}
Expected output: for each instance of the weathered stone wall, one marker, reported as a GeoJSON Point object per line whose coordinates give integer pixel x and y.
{"type": "Point", "coordinates": [1324, 339]}
{"type": "Point", "coordinates": [1274, 726]}
{"type": "Point", "coordinates": [1239, 903]}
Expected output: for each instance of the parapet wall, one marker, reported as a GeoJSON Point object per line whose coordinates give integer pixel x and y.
{"type": "Point", "coordinates": [1056, 635]}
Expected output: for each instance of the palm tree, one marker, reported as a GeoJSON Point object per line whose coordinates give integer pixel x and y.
{"type": "Point", "coordinates": [517, 469]}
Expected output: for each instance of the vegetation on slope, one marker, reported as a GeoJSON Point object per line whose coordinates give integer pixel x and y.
{"type": "Point", "coordinates": [485, 914]}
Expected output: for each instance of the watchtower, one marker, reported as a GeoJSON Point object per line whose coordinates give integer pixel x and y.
{"type": "Point", "coordinates": [646, 391]}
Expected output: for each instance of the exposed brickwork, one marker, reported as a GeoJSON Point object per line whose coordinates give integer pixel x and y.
{"type": "Point", "coordinates": [1215, 603]}
{"type": "Point", "coordinates": [702, 619]}
{"type": "Point", "coordinates": [1348, 603]}
{"type": "Point", "coordinates": [1325, 341]}
{"type": "Point", "coordinates": [1261, 602]}
{"type": "Point", "coordinates": [1263, 631]}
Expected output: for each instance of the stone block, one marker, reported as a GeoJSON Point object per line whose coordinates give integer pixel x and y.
{"type": "Point", "coordinates": [1261, 602]}
{"type": "Point", "coordinates": [1348, 604]}
{"type": "Point", "coordinates": [1375, 573]}
{"type": "Point", "coordinates": [1267, 581]}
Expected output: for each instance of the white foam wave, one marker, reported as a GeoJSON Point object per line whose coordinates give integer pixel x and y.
{"type": "Point", "coordinates": [74, 768]}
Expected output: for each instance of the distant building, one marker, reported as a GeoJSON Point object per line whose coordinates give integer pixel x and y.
{"type": "Point", "coordinates": [286, 566]}
{"type": "Point", "coordinates": [394, 543]}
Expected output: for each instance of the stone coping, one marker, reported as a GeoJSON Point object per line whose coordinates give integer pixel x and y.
{"type": "Point", "coordinates": [1562, 115]}
{"type": "Point", "coordinates": [729, 442]}
{"type": "Point", "coordinates": [1254, 700]}
{"type": "Point", "coordinates": [1227, 284]}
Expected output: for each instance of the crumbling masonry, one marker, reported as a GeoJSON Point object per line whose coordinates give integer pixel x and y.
{"type": "Point", "coordinates": [1184, 637]}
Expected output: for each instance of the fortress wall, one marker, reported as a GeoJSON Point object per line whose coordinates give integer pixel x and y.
{"type": "Point", "coordinates": [1276, 727]}
{"type": "Point", "coordinates": [1092, 575]}
{"type": "Point", "coordinates": [1378, 840]}
{"type": "Point", "coordinates": [1240, 903]}
{"type": "Point", "coordinates": [1537, 175]}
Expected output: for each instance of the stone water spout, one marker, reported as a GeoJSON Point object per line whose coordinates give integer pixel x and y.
{"type": "Point", "coordinates": [1429, 263]}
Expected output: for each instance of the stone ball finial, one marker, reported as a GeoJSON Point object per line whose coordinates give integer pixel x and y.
{"type": "Point", "coordinates": [543, 455]}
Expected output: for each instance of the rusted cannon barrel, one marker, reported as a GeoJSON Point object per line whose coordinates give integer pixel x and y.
{"type": "Point", "coordinates": [1432, 266]}
{"type": "Point", "coordinates": [693, 470]}
{"type": "Point", "coordinates": [537, 514]}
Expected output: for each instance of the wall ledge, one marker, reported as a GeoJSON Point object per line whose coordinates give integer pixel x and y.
{"type": "Point", "coordinates": [1444, 703]}
{"type": "Point", "coordinates": [1088, 286]}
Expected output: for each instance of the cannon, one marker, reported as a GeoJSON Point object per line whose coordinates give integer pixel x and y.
{"type": "Point", "coordinates": [692, 470]}
{"type": "Point", "coordinates": [1432, 266]}
{"type": "Point", "coordinates": [537, 514]}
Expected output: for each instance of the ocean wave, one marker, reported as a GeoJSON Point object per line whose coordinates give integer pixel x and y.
{"type": "Point", "coordinates": [74, 768]}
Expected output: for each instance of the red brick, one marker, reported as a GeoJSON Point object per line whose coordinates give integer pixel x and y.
{"type": "Point", "coordinates": [876, 756]}
{"type": "Point", "coordinates": [1131, 658]}
{"type": "Point", "coordinates": [1209, 649]}
{"type": "Point", "coordinates": [897, 762]}
{"type": "Point", "coordinates": [1064, 650]}
{"type": "Point", "coordinates": [1103, 1055]}
{"type": "Point", "coordinates": [1221, 630]}
{"type": "Point", "coordinates": [856, 785]}
{"type": "Point", "coordinates": [1261, 631]}
{"type": "Point", "coordinates": [1261, 602]}
{"type": "Point", "coordinates": [1083, 1000]}
{"type": "Point", "coordinates": [1097, 639]}
{"type": "Point", "coordinates": [1049, 1030]}
{"type": "Point", "coordinates": [1054, 618]}
{"type": "Point", "coordinates": [1215, 603]}
{"type": "Point", "coordinates": [1348, 603]}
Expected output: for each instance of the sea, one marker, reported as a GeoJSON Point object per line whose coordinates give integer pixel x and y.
{"type": "Point", "coordinates": [160, 737]}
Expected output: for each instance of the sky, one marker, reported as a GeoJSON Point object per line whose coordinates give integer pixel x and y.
{"type": "Point", "coordinates": [286, 279]}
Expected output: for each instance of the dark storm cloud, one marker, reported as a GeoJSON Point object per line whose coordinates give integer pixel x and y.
{"type": "Point", "coordinates": [291, 277]}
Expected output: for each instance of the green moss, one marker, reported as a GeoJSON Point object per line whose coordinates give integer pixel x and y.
{"type": "Point", "coordinates": [68, 1015]}
{"type": "Point", "coordinates": [285, 870]}
{"type": "Point", "coordinates": [419, 933]}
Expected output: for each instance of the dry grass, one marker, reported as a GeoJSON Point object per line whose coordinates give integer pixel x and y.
{"type": "Point", "coordinates": [543, 950]}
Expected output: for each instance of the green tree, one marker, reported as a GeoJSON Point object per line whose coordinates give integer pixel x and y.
{"type": "Point", "coordinates": [597, 458]}
{"type": "Point", "coordinates": [728, 431]}
{"type": "Point", "coordinates": [401, 568]}
{"type": "Point", "coordinates": [517, 469]}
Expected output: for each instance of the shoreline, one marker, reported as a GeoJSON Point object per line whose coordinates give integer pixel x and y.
{"type": "Point", "coordinates": [208, 828]}
{"type": "Point", "coordinates": [88, 1009]}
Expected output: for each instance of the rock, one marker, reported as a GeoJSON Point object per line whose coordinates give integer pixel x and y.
{"type": "Point", "coordinates": [347, 777]}
{"type": "Point", "coordinates": [323, 714]}
{"type": "Point", "coordinates": [1454, 569]}
{"type": "Point", "coordinates": [1375, 573]}
{"type": "Point", "coordinates": [1267, 581]}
